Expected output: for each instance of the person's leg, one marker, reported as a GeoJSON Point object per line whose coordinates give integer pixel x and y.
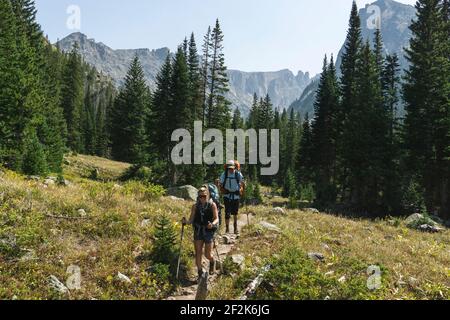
{"type": "Point", "coordinates": [235, 216]}
{"type": "Point", "coordinates": [198, 255]}
{"type": "Point", "coordinates": [209, 256]}
{"type": "Point", "coordinates": [227, 215]}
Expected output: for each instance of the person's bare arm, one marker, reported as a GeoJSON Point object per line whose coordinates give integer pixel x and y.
{"type": "Point", "coordinates": [191, 218]}
{"type": "Point", "coordinates": [215, 214]}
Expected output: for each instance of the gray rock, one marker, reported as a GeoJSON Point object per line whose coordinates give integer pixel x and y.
{"type": "Point", "coordinates": [430, 228]}
{"type": "Point", "coordinates": [9, 242]}
{"type": "Point", "coordinates": [278, 210]}
{"type": "Point", "coordinates": [123, 278]}
{"type": "Point", "coordinates": [238, 260]}
{"type": "Point", "coordinates": [34, 178]}
{"type": "Point", "coordinates": [414, 218]}
{"type": "Point", "coordinates": [312, 210]}
{"type": "Point", "coordinates": [184, 192]}
{"type": "Point", "coordinates": [82, 212]}
{"type": "Point", "coordinates": [57, 285]}
{"type": "Point", "coordinates": [227, 240]}
{"type": "Point", "coordinates": [173, 198]}
{"type": "Point", "coordinates": [145, 223]}
{"type": "Point", "coordinates": [316, 256]}
{"type": "Point", "coordinates": [30, 255]}
{"type": "Point", "coordinates": [49, 182]}
{"type": "Point", "coordinates": [269, 226]}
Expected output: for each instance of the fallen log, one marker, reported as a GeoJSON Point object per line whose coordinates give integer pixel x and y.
{"type": "Point", "coordinates": [254, 285]}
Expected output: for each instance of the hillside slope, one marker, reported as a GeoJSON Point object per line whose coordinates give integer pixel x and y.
{"type": "Point", "coordinates": [106, 230]}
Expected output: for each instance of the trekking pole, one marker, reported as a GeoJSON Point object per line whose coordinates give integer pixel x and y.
{"type": "Point", "coordinates": [218, 256]}
{"type": "Point", "coordinates": [181, 247]}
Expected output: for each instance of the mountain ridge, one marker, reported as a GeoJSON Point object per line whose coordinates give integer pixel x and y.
{"type": "Point", "coordinates": [283, 86]}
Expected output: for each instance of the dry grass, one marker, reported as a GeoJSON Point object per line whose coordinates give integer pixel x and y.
{"type": "Point", "coordinates": [46, 226]}
{"type": "Point", "coordinates": [109, 239]}
{"type": "Point", "coordinates": [82, 166]}
{"type": "Point", "coordinates": [414, 265]}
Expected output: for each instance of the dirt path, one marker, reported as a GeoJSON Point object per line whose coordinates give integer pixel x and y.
{"type": "Point", "coordinates": [189, 292]}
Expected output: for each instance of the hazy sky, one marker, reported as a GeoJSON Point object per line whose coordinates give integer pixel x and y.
{"type": "Point", "coordinates": [260, 35]}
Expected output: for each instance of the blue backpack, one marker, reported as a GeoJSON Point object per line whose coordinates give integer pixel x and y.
{"type": "Point", "coordinates": [214, 192]}
{"type": "Point", "coordinates": [215, 197]}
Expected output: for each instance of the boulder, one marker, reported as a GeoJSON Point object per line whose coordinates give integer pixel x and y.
{"type": "Point", "coordinates": [82, 213]}
{"type": "Point", "coordinates": [312, 210]}
{"type": "Point", "coordinates": [184, 192]}
{"type": "Point", "coordinates": [57, 285]}
{"type": "Point", "coordinates": [414, 218]}
{"type": "Point", "coordinates": [173, 198]}
{"type": "Point", "coordinates": [49, 182]}
{"type": "Point", "coordinates": [430, 228]}
{"type": "Point", "coordinates": [238, 260]}
{"type": "Point", "coordinates": [34, 178]}
{"type": "Point", "coordinates": [145, 223]}
{"type": "Point", "coordinates": [269, 226]}
{"type": "Point", "coordinates": [315, 256]}
{"type": "Point", "coordinates": [278, 210]}
{"type": "Point", "coordinates": [123, 278]}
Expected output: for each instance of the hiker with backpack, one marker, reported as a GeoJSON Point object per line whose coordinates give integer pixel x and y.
{"type": "Point", "coordinates": [232, 186]}
{"type": "Point", "coordinates": [205, 220]}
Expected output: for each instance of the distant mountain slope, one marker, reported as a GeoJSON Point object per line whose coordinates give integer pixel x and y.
{"type": "Point", "coordinates": [282, 86]}
{"type": "Point", "coordinates": [395, 21]}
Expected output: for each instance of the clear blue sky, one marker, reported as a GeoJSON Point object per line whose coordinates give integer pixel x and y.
{"type": "Point", "coordinates": [260, 35]}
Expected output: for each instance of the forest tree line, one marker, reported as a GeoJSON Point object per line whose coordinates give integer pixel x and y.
{"type": "Point", "coordinates": [354, 154]}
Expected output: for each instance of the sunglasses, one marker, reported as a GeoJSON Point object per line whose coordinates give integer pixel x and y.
{"type": "Point", "coordinates": [202, 197]}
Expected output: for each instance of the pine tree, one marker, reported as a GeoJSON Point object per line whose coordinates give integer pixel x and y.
{"type": "Point", "coordinates": [179, 108]}
{"type": "Point", "coordinates": [72, 93]}
{"type": "Point", "coordinates": [253, 119]}
{"type": "Point", "coordinates": [34, 160]}
{"type": "Point", "coordinates": [130, 141]}
{"type": "Point", "coordinates": [324, 134]}
{"type": "Point", "coordinates": [164, 249]}
{"type": "Point", "coordinates": [349, 91]}
{"type": "Point", "coordinates": [195, 85]}
{"type": "Point", "coordinates": [9, 80]}
{"type": "Point", "coordinates": [426, 94]}
{"type": "Point", "coordinates": [160, 120]}
{"type": "Point", "coordinates": [205, 72]}
{"type": "Point", "coordinates": [305, 159]}
{"type": "Point", "coordinates": [238, 121]}
{"type": "Point", "coordinates": [218, 110]}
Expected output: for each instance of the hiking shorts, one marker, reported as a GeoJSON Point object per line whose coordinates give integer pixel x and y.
{"type": "Point", "coordinates": [231, 208]}
{"type": "Point", "coordinates": [203, 234]}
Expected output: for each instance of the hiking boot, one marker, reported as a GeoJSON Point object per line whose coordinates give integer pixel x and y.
{"type": "Point", "coordinates": [212, 267]}
{"type": "Point", "coordinates": [200, 274]}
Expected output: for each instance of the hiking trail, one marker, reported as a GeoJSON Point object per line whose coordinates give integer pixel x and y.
{"type": "Point", "coordinates": [189, 292]}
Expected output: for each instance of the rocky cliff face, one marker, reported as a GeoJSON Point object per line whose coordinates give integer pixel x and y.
{"type": "Point", "coordinates": [282, 86]}
{"type": "Point", "coordinates": [115, 63]}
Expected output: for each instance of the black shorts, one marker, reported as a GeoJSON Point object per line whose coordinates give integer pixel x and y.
{"type": "Point", "coordinates": [231, 208]}
{"type": "Point", "coordinates": [203, 234]}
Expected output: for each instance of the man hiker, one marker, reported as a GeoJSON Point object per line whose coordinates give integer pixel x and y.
{"type": "Point", "coordinates": [205, 220]}
{"type": "Point", "coordinates": [231, 182]}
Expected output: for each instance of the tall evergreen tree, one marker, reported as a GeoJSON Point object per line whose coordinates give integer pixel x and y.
{"type": "Point", "coordinates": [324, 134]}
{"type": "Point", "coordinates": [218, 110]}
{"type": "Point", "coordinates": [130, 141]}
{"type": "Point", "coordinates": [426, 94]}
{"type": "Point", "coordinates": [72, 93]}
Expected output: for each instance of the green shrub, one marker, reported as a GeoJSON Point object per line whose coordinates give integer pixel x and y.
{"type": "Point", "coordinates": [164, 248]}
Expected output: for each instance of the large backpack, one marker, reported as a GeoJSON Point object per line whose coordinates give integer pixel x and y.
{"type": "Point", "coordinates": [237, 176]}
{"type": "Point", "coordinates": [215, 197]}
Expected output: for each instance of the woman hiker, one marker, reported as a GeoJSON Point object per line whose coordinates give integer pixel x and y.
{"type": "Point", "coordinates": [205, 220]}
